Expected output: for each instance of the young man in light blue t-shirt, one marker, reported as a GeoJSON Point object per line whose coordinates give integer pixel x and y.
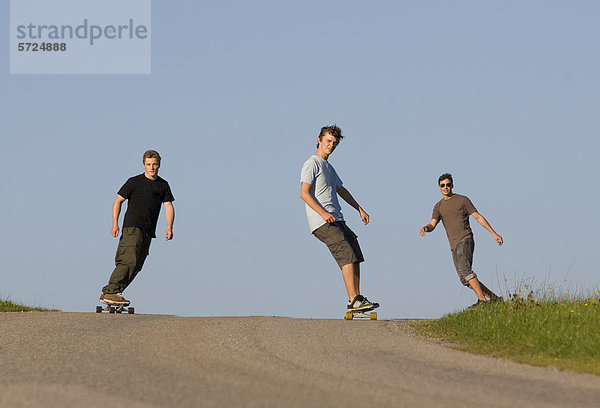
{"type": "Point", "coordinates": [319, 188]}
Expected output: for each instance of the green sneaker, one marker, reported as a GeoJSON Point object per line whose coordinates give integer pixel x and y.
{"type": "Point", "coordinates": [360, 303]}
{"type": "Point", "coordinates": [375, 304]}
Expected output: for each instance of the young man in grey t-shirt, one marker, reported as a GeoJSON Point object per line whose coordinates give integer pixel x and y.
{"type": "Point", "coordinates": [319, 188]}
{"type": "Point", "coordinates": [454, 211]}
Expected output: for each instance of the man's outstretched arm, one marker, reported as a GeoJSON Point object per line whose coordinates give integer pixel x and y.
{"type": "Point", "coordinates": [345, 194]}
{"type": "Point", "coordinates": [429, 227]}
{"type": "Point", "coordinates": [480, 219]}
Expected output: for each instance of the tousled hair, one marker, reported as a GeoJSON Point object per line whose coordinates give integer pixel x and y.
{"type": "Point", "coordinates": [444, 177]}
{"type": "Point", "coordinates": [333, 130]}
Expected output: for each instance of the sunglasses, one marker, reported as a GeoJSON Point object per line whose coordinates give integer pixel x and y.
{"type": "Point", "coordinates": [449, 185]}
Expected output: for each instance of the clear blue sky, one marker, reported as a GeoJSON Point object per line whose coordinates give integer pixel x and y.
{"type": "Point", "coordinates": [502, 94]}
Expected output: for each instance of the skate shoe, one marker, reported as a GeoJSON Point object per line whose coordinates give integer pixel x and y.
{"type": "Point", "coordinates": [114, 299]}
{"type": "Point", "coordinates": [360, 303]}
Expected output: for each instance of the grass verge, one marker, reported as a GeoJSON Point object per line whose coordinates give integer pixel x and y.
{"type": "Point", "coordinates": [547, 330]}
{"type": "Point", "coordinates": [8, 306]}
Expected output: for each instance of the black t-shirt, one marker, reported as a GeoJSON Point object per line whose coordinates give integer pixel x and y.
{"type": "Point", "coordinates": [145, 198]}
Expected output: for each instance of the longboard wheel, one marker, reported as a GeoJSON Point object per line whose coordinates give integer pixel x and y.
{"type": "Point", "coordinates": [349, 316]}
{"type": "Point", "coordinates": [98, 309]}
{"type": "Point", "coordinates": [373, 316]}
{"type": "Point", "coordinates": [111, 309]}
{"type": "Point", "coordinates": [131, 310]}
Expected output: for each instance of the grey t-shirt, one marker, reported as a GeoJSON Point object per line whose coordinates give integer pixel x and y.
{"type": "Point", "coordinates": [454, 214]}
{"type": "Point", "coordinates": [324, 183]}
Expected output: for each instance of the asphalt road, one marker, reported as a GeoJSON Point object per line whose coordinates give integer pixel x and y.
{"type": "Point", "coordinates": [99, 360]}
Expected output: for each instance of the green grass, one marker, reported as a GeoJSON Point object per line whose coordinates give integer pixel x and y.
{"type": "Point", "coordinates": [8, 306]}
{"type": "Point", "coordinates": [545, 328]}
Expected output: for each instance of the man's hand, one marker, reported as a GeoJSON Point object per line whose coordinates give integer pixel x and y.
{"type": "Point", "coordinates": [363, 216]}
{"type": "Point", "coordinates": [429, 227]}
{"type": "Point", "coordinates": [115, 231]}
{"type": "Point", "coordinates": [498, 239]}
{"type": "Point", "coordinates": [328, 217]}
{"type": "Point", "coordinates": [169, 235]}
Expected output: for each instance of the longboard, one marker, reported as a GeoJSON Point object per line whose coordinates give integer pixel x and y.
{"type": "Point", "coordinates": [115, 309]}
{"type": "Point", "coordinates": [361, 314]}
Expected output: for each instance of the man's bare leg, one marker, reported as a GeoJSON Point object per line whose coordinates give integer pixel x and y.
{"type": "Point", "coordinates": [474, 284]}
{"type": "Point", "coordinates": [350, 279]}
{"type": "Point", "coordinates": [491, 295]}
{"type": "Point", "coordinates": [357, 277]}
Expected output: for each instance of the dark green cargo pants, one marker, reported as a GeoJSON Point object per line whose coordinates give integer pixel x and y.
{"type": "Point", "coordinates": [131, 254]}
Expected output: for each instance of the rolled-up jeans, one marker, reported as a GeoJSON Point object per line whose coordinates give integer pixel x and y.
{"type": "Point", "coordinates": [131, 254]}
{"type": "Point", "coordinates": [462, 255]}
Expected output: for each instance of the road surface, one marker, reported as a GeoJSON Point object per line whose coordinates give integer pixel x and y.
{"type": "Point", "coordinates": [104, 360]}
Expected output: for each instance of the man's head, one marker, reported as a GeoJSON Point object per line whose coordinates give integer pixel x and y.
{"type": "Point", "coordinates": [329, 138]}
{"type": "Point", "coordinates": [151, 160]}
{"type": "Point", "coordinates": [445, 184]}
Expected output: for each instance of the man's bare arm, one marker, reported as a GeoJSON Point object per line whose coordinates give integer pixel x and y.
{"type": "Point", "coordinates": [429, 227]}
{"type": "Point", "coordinates": [312, 203]}
{"type": "Point", "coordinates": [170, 215]}
{"type": "Point", "coordinates": [345, 194]}
{"type": "Point", "coordinates": [116, 210]}
{"type": "Point", "coordinates": [480, 219]}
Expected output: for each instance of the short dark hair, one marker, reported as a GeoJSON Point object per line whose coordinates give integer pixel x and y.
{"type": "Point", "coordinates": [444, 177]}
{"type": "Point", "coordinates": [334, 130]}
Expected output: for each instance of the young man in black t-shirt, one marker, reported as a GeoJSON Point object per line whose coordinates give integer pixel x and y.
{"type": "Point", "coordinates": [146, 193]}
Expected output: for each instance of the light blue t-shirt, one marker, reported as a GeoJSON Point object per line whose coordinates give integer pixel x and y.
{"type": "Point", "coordinates": [324, 183]}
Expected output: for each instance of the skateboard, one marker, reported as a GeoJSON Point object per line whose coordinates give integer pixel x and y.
{"type": "Point", "coordinates": [361, 314]}
{"type": "Point", "coordinates": [115, 309]}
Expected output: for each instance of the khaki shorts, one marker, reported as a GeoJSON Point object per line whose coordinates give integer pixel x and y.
{"type": "Point", "coordinates": [341, 241]}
